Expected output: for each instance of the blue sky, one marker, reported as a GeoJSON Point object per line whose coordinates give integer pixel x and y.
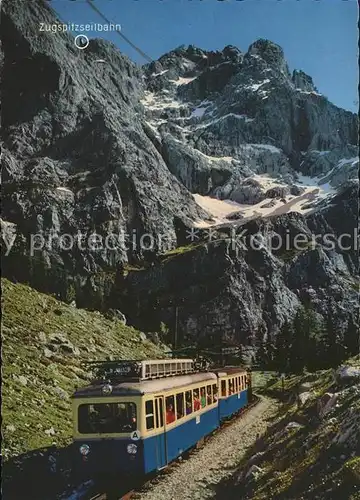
{"type": "Point", "coordinates": [318, 36]}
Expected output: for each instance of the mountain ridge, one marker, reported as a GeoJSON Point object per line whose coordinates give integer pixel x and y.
{"type": "Point", "coordinates": [110, 148]}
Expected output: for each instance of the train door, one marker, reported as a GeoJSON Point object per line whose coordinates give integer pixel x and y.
{"type": "Point", "coordinates": [161, 437]}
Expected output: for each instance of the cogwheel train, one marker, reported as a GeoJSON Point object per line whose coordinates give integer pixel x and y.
{"type": "Point", "coordinates": [141, 415]}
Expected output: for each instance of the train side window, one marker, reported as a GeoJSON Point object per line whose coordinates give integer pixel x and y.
{"type": "Point", "coordinates": [223, 387]}
{"type": "Point", "coordinates": [159, 418]}
{"type": "Point", "coordinates": [246, 380]}
{"type": "Point", "coordinates": [208, 395]}
{"type": "Point", "coordinates": [188, 402]}
{"type": "Point", "coordinates": [239, 380]}
{"type": "Point", "coordinates": [215, 393]}
{"type": "Point", "coordinates": [236, 385]}
{"type": "Point", "coordinates": [231, 386]}
{"type": "Point", "coordinates": [149, 413]}
{"type": "Point", "coordinates": [170, 409]}
{"type": "Point", "coordinates": [196, 400]}
{"type": "Point", "coordinates": [202, 397]}
{"type": "Point", "coordinates": [179, 405]}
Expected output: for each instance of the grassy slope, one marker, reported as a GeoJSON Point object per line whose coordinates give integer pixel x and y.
{"type": "Point", "coordinates": [305, 463]}
{"type": "Point", "coordinates": [42, 401]}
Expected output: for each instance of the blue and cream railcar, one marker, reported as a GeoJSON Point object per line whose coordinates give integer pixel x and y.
{"type": "Point", "coordinates": [233, 390]}
{"type": "Point", "coordinates": [137, 426]}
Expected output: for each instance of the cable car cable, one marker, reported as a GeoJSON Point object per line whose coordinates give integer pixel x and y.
{"type": "Point", "coordinates": [145, 56]}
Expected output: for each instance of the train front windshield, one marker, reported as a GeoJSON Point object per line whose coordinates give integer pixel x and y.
{"type": "Point", "coordinates": [106, 418]}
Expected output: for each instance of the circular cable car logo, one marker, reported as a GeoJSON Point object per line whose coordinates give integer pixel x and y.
{"type": "Point", "coordinates": [135, 436]}
{"type": "Point", "coordinates": [81, 42]}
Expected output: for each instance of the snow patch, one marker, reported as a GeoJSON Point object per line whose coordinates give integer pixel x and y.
{"type": "Point", "coordinates": [228, 159]}
{"type": "Point", "coordinates": [220, 209]}
{"type": "Point", "coordinates": [182, 81]}
{"type": "Point", "coordinates": [322, 153]}
{"type": "Point", "coordinates": [153, 102]}
{"type": "Point", "coordinates": [305, 180]}
{"type": "Point", "coordinates": [256, 86]}
{"type": "Point", "coordinates": [308, 92]}
{"type": "Point", "coordinates": [346, 161]}
{"type": "Point", "coordinates": [245, 118]}
{"type": "Point", "coordinates": [201, 109]}
{"type": "Point", "coordinates": [159, 74]}
{"type": "Point", "coordinates": [269, 147]}
{"type": "Point", "coordinates": [325, 189]}
{"type": "Point", "coordinates": [198, 113]}
{"type": "Point", "coordinates": [64, 189]}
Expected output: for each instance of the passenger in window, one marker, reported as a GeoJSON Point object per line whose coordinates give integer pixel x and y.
{"type": "Point", "coordinates": [188, 402]}
{"type": "Point", "coordinates": [196, 400]}
{"type": "Point", "coordinates": [122, 420]}
{"type": "Point", "coordinates": [170, 414]}
{"type": "Point", "coordinates": [202, 397]}
{"type": "Point", "coordinates": [179, 405]}
{"type": "Point", "coordinates": [231, 390]}
{"type": "Point", "coordinates": [209, 398]}
{"type": "Point", "coordinates": [188, 408]}
{"type": "Point", "coordinates": [215, 394]}
{"type": "Point", "coordinates": [93, 417]}
{"type": "Point", "coordinates": [105, 413]}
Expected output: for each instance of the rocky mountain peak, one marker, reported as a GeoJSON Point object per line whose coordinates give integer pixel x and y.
{"type": "Point", "coordinates": [272, 53]}
{"type": "Point", "coordinates": [303, 81]}
{"type": "Point", "coordinates": [232, 52]}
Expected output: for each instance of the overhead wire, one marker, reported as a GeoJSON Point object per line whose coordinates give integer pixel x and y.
{"type": "Point", "coordinates": [142, 53]}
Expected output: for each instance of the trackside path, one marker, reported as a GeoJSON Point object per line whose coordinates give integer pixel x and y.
{"type": "Point", "coordinates": [196, 478]}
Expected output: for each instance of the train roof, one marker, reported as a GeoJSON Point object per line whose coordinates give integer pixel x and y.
{"type": "Point", "coordinates": [137, 388]}
{"type": "Point", "coordinates": [229, 370]}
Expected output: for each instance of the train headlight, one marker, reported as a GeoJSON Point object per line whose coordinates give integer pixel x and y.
{"type": "Point", "coordinates": [84, 449]}
{"type": "Point", "coordinates": [131, 448]}
{"type": "Point", "coordinates": [107, 389]}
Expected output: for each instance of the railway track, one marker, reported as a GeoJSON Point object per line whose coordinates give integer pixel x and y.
{"type": "Point", "coordinates": [113, 492]}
